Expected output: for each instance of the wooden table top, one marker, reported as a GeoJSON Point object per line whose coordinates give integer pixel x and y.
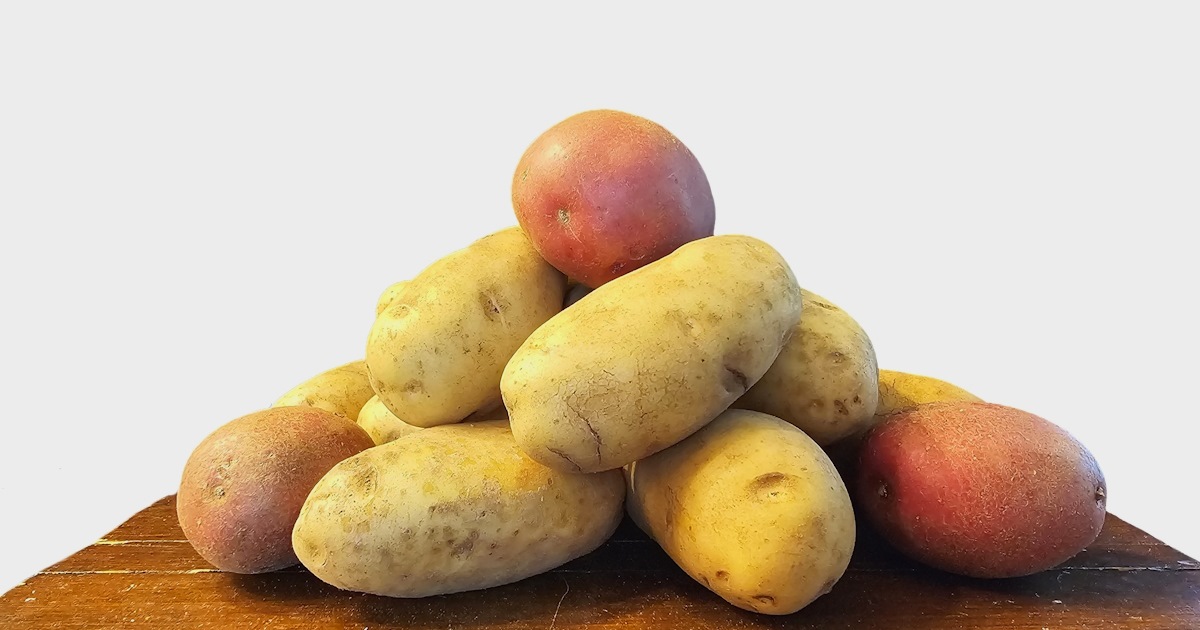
{"type": "Point", "coordinates": [144, 574]}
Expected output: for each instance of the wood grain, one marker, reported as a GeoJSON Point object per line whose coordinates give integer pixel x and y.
{"type": "Point", "coordinates": [144, 574]}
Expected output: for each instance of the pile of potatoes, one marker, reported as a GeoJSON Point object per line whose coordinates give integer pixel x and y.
{"type": "Point", "coordinates": [611, 355]}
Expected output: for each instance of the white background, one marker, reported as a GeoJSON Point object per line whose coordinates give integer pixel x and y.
{"type": "Point", "coordinates": [201, 204]}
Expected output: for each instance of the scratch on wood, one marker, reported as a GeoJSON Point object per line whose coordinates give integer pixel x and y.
{"type": "Point", "coordinates": [560, 601]}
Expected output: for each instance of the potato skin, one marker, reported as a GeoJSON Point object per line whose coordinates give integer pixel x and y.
{"type": "Point", "coordinates": [1026, 501]}
{"type": "Point", "coordinates": [449, 509]}
{"type": "Point", "coordinates": [381, 424]}
{"type": "Point", "coordinates": [750, 507]}
{"type": "Point", "coordinates": [342, 391]}
{"type": "Point", "coordinates": [899, 391]}
{"type": "Point", "coordinates": [605, 192]}
{"type": "Point", "coordinates": [389, 294]}
{"type": "Point", "coordinates": [243, 486]}
{"type": "Point", "coordinates": [436, 353]}
{"type": "Point", "coordinates": [825, 380]}
{"type": "Point", "coordinates": [644, 361]}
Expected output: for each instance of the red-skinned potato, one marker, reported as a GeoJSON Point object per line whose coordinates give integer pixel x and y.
{"type": "Point", "coordinates": [243, 486]}
{"type": "Point", "coordinates": [980, 489]}
{"type": "Point", "coordinates": [605, 192]}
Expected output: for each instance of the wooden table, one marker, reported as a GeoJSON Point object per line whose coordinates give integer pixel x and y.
{"type": "Point", "coordinates": [144, 574]}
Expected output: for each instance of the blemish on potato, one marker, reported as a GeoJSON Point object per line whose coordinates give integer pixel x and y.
{"type": "Point", "coordinates": [565, 458]}
{"type": "Point", "coordinates": [464, 547]}
{"type": "Point", "coordinates": [735, 380]}
{"type": "Point", "coordinates": [722, 574]}
{"type": "Point", "coordinates": [764, 599]}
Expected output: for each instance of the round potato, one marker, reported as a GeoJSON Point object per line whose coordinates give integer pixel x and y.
{"type": "Point", "coordinates": [605, 192]}
{"type": "Point", "coordinates": [342, 391]}
{"type": "Point", "coordinates": [825, 380]}
{"type": "Point", "coordinates": [449, 509]}
{"type": "Point", "coordinates": [243, 486]}
{"type": "Point", "coordinates": [436, 353]}
{"type": "Point", "coordinates": [647, 359]}
{"type": "Point", "coordinates": [751, 508]}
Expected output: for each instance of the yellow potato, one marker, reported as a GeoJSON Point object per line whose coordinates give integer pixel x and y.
{"type": "Point", "coordinates": [825, 380]}
{"type": "Point", "coordinates": [449, 509]}
{"type": "Point", "coordinates": [899, 391]}
{"type": "Point", "coordinates": [647, 359]}
{"type": "Point", "coordinates": [381, 424]}
{"type": "Point", "coordinates": [342, 391]}
{"type": "Point", "coordinates": [388, 296]}
{"type": "Point", "coordinates": [751, 508]}
{"type": "Point", "coordinates": [436, 353]}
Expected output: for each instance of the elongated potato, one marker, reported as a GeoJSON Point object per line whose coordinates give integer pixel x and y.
{"type": "Point", "coordinates": [381, 424]}
{"type": "Point", "coordinates": [825, 380]}
{"type": "Point", "coordinates": [449, 509]}
{"type": "Point", "coordinates": [751, 508]}
{"type": "Point", "coordinates": [647, 359]}
{"type": "Point", "coordinates": [436, 353]}
{"type": "Point", "coordinates": [342, 391]}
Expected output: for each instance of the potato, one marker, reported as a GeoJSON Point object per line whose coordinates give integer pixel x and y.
{"type": "Point", "coordinates": [436, 353]}
{"type": "Point", "coordinates": [243, 486]}
{"type": "Point", "coordinates": [382, 425]}
{"type": "Point", "coordinates": [342, 391]}
{"type": "Point", "coordinates": [980, 489]}
{"type": "Point", "coordinates": [644, 361]}
{"type": "Point", "coordinates": [899, 391]}
{"type": "Point", "coordinates": [605, 192]}
{"type": "Point", "coordinates": [751, 508]}
{"type": "Point", "coordinates": [825, 380]}
{"type": "Point", "coordinates": [449, 509]}
{"type": "Point", "coordinates": [388, 296]}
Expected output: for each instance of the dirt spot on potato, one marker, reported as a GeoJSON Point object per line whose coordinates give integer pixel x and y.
{"type": "Point", "coordinates": [414, 386]}
{"type": "Point", "coordinates": [464, 547]}
{"type": "Point", "coordinates": [841, 408]}
{"type": "Point", "coordinates": [722, 574]}
{"type": "Point", "coordinates": [735, 380]}
{"type": "Point", "coordinates": [364, 478]}
{"type": "Point", "coordinates": [493, 305]}
{"type": "Point", "coordinates": [769, 486]}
